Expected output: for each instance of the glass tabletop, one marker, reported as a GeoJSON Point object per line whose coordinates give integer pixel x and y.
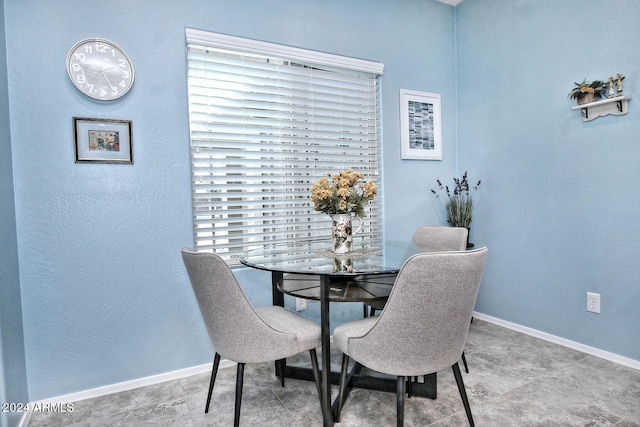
{"type": "Point", "coordinates": [316, 257]}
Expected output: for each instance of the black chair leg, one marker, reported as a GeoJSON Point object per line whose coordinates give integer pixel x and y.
{"type": "Point", "coordinates": [409, 387]}
{"type": "Point", "coordinates": [343, 386]}
{"type": "Point", "coordinates": [464, 362]}
{"type": "Point", "coordinates": [463, 393]}
{"type": "Point", "coordinates": [400, 400]}
{"type": "Point", "coordinates": [239, 380]}
{"type": "Point", "coordinates": [280, 370]}
{"type": "Point", "coordinates": [316, 372]}
{"type": "Point", "coordinates": [214, 372]}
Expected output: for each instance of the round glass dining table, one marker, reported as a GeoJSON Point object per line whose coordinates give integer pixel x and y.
{"type": "Point", "coordinates": [316, 258]}
{"type": "Point", "coordinates": [366, 274]}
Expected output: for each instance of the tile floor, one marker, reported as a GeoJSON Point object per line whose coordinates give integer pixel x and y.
{"type": "Point", "coordinates": [514, 380]}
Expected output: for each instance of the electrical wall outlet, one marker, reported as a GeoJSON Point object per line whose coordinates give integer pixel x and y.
{"type": "Point", "coordinates": [301, 304]}
{"type": "Point", "coordinates": [593, 302]}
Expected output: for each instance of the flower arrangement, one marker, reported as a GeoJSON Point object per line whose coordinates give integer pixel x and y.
{"type": "Point", "coordinates": [459, 204]}
{"type": "Point", "coordinates": [343, 193]}
{"type": "Point", "coordinates": [597, 88]}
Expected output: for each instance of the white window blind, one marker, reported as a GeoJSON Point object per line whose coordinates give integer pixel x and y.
{"type": "Point", "coordinates": [266, 122]}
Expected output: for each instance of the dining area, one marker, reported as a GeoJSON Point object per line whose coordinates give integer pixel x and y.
{"type": "Point", "coordinates": [424, 290]}
{"type": "Point", "coordinates": [96, 301]}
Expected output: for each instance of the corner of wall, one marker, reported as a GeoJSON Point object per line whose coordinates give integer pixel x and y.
{"type": "Point", "coordinates": [13, 375]}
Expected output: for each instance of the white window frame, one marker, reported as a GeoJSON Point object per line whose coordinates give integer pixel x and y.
{"type": "Point", "coordinates": [291, 217]}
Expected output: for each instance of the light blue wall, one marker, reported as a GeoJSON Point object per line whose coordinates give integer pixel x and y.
{"type": "Point", "coordinates": [560, 203]}
{"type": "Point", "coordinates": [105, 296]}
{"type": "Point", "coordinates": [13, 376]}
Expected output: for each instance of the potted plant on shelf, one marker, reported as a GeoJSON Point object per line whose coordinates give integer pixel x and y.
{"type": "Point", "coordinates": [586, 92]}
{"type": "Point", "coordinates": [459, 203]}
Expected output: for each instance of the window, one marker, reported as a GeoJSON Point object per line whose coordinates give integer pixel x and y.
{"type": "Point", "coordinates": [266, 122]}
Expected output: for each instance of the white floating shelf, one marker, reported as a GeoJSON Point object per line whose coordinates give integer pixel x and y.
{"type": "Point", "coordinates": [616, 106]}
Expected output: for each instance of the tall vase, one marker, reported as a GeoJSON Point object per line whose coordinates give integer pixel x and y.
{"type": "Point", "coordinates": [343, 232]}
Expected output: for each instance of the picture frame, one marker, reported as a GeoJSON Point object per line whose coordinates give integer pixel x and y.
{"type": "Point", "coordinates": [102, 140]}
{"type": "Point", "coordinates": [420, 125]}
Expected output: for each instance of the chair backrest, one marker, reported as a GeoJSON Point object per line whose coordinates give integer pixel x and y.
{"type": "Point", "coordinates": [235, 329]}
{"type": "Point", "coordinates": [438, 238]}
{"type": "Point", "coordinates": [424, 325]}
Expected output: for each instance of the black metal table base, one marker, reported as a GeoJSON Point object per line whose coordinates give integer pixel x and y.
{"type": "Point", "coordinates": [426, 388]}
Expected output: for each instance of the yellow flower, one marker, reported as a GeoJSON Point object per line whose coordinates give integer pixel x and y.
{"type": "Point", "coordinates": [342, 193]}
{"type": "Point", "coordinates": [320, 190]}
{"type": "Point", "coordinates": [369, 190]}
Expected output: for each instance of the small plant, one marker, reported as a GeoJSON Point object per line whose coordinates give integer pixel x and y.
{"type": "Point", "coordinates": [459, 203]}
{"type": "Point", "coordinates": [597, 87]}
{"type": "Point", "coordinates": [343, 193]}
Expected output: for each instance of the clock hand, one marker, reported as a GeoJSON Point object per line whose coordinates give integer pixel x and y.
{"type": "Point", "coordinates": [107, 80]}
{"type": "Point", "coordinates": [97, 68]}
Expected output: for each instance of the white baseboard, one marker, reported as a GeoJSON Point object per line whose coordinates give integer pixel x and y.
{"type": "Point", "coordinates": [125, 386]}
{"type": "Point", "coordinates": [24, 422]}
{"type": "Point", "coordinates": [612, 357]}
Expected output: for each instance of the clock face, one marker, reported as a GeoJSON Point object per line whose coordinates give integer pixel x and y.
{"type": "Point", "coordinates": [100, 69]}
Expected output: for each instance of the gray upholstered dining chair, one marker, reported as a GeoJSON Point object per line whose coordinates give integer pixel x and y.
{"type": "Point", "coordinates": [441, 238]}
{"type": "Point", "coordinates": [424, 326]}
{"type": "Point", "coordinates": [238, 331]}
{"type": "Point", "coordinates": [433, 238]}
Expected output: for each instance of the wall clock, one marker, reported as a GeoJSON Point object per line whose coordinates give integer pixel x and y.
{"type": "Point", "coordinates": [100, 69]}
